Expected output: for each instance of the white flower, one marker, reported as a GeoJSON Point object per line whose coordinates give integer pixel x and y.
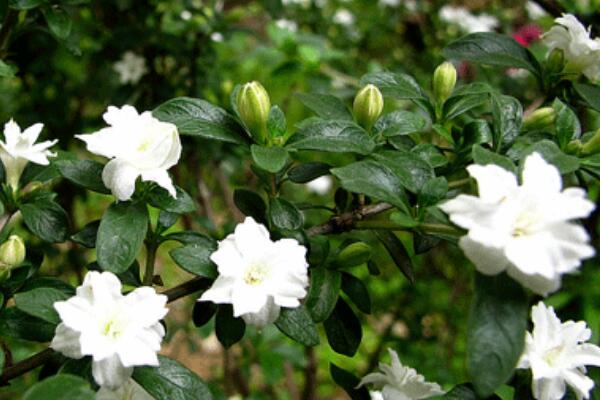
{"type": "Point", "coordinates": [556, 354]}
{"type": "Point", "coordinates": [582, 54]}
{"type": "Point", "coordinates": [376, 395]}
{"type": "Point", "coordinates": [343, 17]}
{"type": "Point", "coordinates": [322, 185]}
{"type": "Point", "coordinates": [534, 10]}
{"type": "Point", "coordinates": [130, 390]}
{"type": "Point", "coordinates": [19, 148]}
{"type": "Point", "coordinates": [216, 37]}
{"type": "Point", "coordinates": [523, 229]}
{"type": "Point", "coordinates": [186, 15]}
{"type": "Point", "coordinates": [398, 382]}
{"type": "Point", "coordinates": [130, 68]}
{"type": "Point", "coordinates": [258, 276]}
{"type": "Point", "coordinates": [466, 21]}
{"type": "Point", "coordinates": [287, 24]}
{"type": "Point", "coordinates": [139, 145]}
{"type": "Point", "coordinates": [119, 332]}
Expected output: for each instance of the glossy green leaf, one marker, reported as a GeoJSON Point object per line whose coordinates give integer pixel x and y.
{"type": "Point", "coordinates": [87, 236]}
{"type": "Point", "coordinates": [276, 124]}
{"type": "Point", "coordinates": [40, 303]}
{"type": "Point", "coordinates": [181, 204]}
{"type": "Point", "coordinates": [195, 258]}
{"type": "Point", "coordinates": [271, 159]}
{"type": "Point", "coordinates": [349, 383]}
{"type": "Point", "coordinates": [567, 124]}
{"type": "Point", "coordinates": [323, 292]}
{"type": "Point", "coordinates": [343, 329]}
{"type": "Point", "coordinates": [507, 113]}
{"type": "Point", "coordinates": [399, 123]}
{"type": "Point", "coordinates": [297, 324]}
{"type": "Point", "coordinates": [284, 215]}
{"type": "Point", "coordinates": [335, 136]}
{"type": "Point", "coordinates": [411, 170]}
{"type": "Point", "coordinates": [60, 387]}
{"type": "Point", "coordinates": [398, 253]}
{"type": "Point", "coordinates": [589, 93]}
{"type": "Point", "coordinates": [483, 156]}
{"type": "Point", "coordinates": [325, 106]}
{"type": "Point", "coordinates": [552, 154]}
{"type": "Point", "coordinates": [357, 292]}
{"type": "Point", "coordinates": [85, 173]}
{"type": "Point", "coordinates": [203, 312]}
{"type": "Point", "coordinates": [17, 324]}
{"type": "Point", "coordinates": [304, 173]}
{"type": "Point", "coordinates": [431, 154]}
{"type": "Point", "coordinates": [58, 21]}
{"type": "Point", "coordinates": [433, 191]}
{"type": "Point", "coordinates": [250, 204]}
{"type": "Point", "coordinates": [399, 86]}
{"type": "Point", "coordinates": [46, 219]}
{"type": "Point", "coordinates": [229, 330]}
{"type": "Point", "coordinates": [7, 70]}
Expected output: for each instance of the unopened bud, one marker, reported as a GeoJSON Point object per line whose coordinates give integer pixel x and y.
{"type": "Point", "coordinates": [12, 252]}
{"type": "Point", "coordinates": [354, 254]}
{"type": "Point", "coordinates": [574, 147]}
{"type": "Point", "coordinates": [253, 106]}
{"type": "Point", "coordinates": [592, 146]}
{"type": "Point", "coordinates": [540, 118]}
{"type": "Point", "coordinates": [368, 105]}
{"type": "Point", "coordinates": [555, 61]}
{"type": "Point", "coordinates": [444, 80]}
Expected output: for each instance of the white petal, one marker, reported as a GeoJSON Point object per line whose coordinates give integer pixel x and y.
{"type": "Point", "coordinates": [487, 260]}
{"type": "Point", "coordinates": [265, 316]}
{"type": "Point", "coordinates": [76, 313]}
{"type": "Point", "coordinates": [145, 306]}
{"type": "Point", "coordinates": [220, 291]}
{"type": "Point", "coordinates": [376, 378]}
{"type": "Point", "coordinates": [110, 372]}
{"type": "Point", "coordinates": [120, 178]}
{"type": "Point", "coordinates": [102, 287]}
{"type": "Point", "coordinates": [251, 238]}
{"type": "Point", "coordinates": [579, 382]}
{"type": "Point", "coordinates": [247, 299]}
{"type": "Point", "coordinates": [130, 390]}
{"type": "Point", "coordinates": [120, 116]}
{"type": "Point", "coordinates": [540, 176]}
{"type": "Point", "coordinates": [537, 283]}
{"type": "Point", "coordinates": [585, 354]}
{"type": "Point", "coordinates": [549, 389]}
{"type": "Point", "coordinates": [228, 258]}
{"type": "Point", "coordinates": [139, 350]}
{"type": "Point", "coordinates": [162, 178]}
{"type": "Point", "coordinates": [32, 133]}
{"type": "Point", "coordinates": [533, 254]}
{"type": "Point", "coordinates": [494, 182]}
{"type": "Point", "coordinates": [66, 341]}
{"type": "Point", "coordinates": [105, 142]}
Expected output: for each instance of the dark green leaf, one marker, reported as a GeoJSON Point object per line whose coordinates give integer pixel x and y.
{"type": "Point", "coordinates": [325, 106]}
{"type": "Point", "coordinates": [398, 253]}
{"type": "Point", "coordinates": [46, 219]}
{"type": "Point", "coordinates": [411, 170]}
{"type": "Point", "coordinates": [432, 191]}
{"type": "Point", "coordinates": [16, 324]}
{"type": "Point", "coordinates": [7, 70]}
{"type": "Point", "coordinates": [356, 291]}
{"type": "Point", "coordinates": [399, 86]}
{"type": "Point", "coordinates": [496, 332]}
{"type": "Point", "coordinates": [552, 154]}
{"type": "Point", "coordinates": [85, 173]}
{"type": "Point", "coordinates": [171, 381]}
{"type": "Point", "coordinates": [270, 159]}
{"type": "Point", "coordinates": [343, 329]}
{"type": "Point", "coordinates": [348, 382]}
{"type": "Point", "coordinates": [166, 219]}
{"type": "Point", "coordinates": [323, 292]}
{"type": "Point", "coordinates": [181, 204]}
{"type": "Point", "coordinates": [195, 258]}
{"type": "Point", "coordinates": [354, 254]}
{"type": "Point", "coordinates": [276, 124]}
{"type": "Point", "coordinates": [197, 117]}
{"type": "Point", "coordinates": [492, 49]}
{"type": "Point", "coordinates": [87, 236]}
{"type": "Point", "coordinates": [120, 236]}
{"type": "Point", "coordinates": [229, 329]}
{"type": "Point", "coordinates": [58, 21]}
{"type": "Point", "coordinates": [374, 180]}
{"type": "Point", "coordinates": [40, 303]}
{"type": "Point", "coordinates": [297, 324]}
{"type": "Point", "coordinates": [459, 103]}
{"type": "Point", "coordinates": [399, 123]}
{"type": "Point", "coordinates": [567, 124]}
{"type": "Point", "coordinates": [476, 132]}
{"type": "Point", "coordinates": [60, 387]}
{"type": "Point", "coordinates": [333, 135]}
{"type": "Point", "coordinates": [203, 312]}
{"type": "Point", "coordinates": [483, 156]}
{"type": "Point", "coordinates": [304, 173]}
{"type": "Point", "coordinates": [284, 215]}
{"type": "Point", "coordinates": [46, 282]}
{"type": "Point", "coordinates": [431, 154]}
{"type": "Point", "coordinates": [589, 93]}
{"type": "Point", "coordinates": [508, 118]}
{"type": "Point", "coordinates": [461, 392]}
{"type": "Point", "coordinates": [250, 204]}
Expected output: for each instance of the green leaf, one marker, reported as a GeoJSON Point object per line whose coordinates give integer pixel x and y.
{"type": "Point", "coordinates": [335, 136]}
{"type": "Point", "coordinates": [58, 21]}
{"type": "Point", "coordinates": [40, 303]}
{"type": "Point", "coordinates": [46, 219]}
{"type": "Point", "coordinates": [24, 4]}
{"type": "Point", "coordinates": [348, 382]}
{"type": "Point", "coordinates": [589, 93]}
{"type": "Point", "coordinates": [325, 106]}
{"type": "Point", "coordinates": [87, 236]}
{"type": "Point", "coordinates": [60, 387]}
{"type": "Point", "coordinates": [461, 392]}
{"type": "Point", "coordinates": [203, 312]}
{"type": "Point", "coordinates": [121, 233]}
{"type": "Point", "coordinates": [297, 324]}
{"type": "Point", "coordinates": [195, 258]}
{"type": "Point", "coordinates": [396, 85]}
{"type": "Point", "coordinates": [411, 170]}
{"type": "Point", "coordinates": [552, 154]}
{"type": "Point", "coordinates": [166, 219]}
{"type": "Point", "coordinates": [356, 291]}
{"type": "Point", "coordinates": [197, 117]}
{"type": "Point", "coordinates": [16, 324]}
{"type": "Point", "coordinates": [250, 204]}
{"type": "Point", "coordinates": [323, 292]}
{"type": "Point", "coordinates": [181, 204]}
{"type": "Point", "coordinates": [508, 118]}
{"type": "Point", "coordinates": [399, 123]}
{"type": "Point", "coordinates": [304, 173]}
{"type": "Point", "coordinates": [343, 329]}
{"type": "Point", "coordinates": [496, 331]}
{"type": "Point", "coordinates": [492, 49]}
{"type": "Point", "coordinates": [284, 215]}
{"type": "Point", "coordinates": [567, 123]}
{"type": "Point", "coordinates": [466, 98]}
{"type": "Point", "coordinates": [431, 154]}
{"type": "Point", "coordinates": [432, 191]}
{"type": "Point", "coordinates": [85, 173]}
{"type": "Point", "coordinates": [483, 156]}
{"type": "Point", "coordinates": [276, 123]}
{"type": "Point", "coordinates": [171, 381]}
{"type": "Point", "coordinates": [7, 70]}
{"type": "Point", "coordinates": [476, 132]}
{"type": "Point", "coordinates": [229, 329]}
{"type": "Point", "coordinates": [398, 253]}
{"type": "Point", "coordinates": [271, 159]}
{"type": "Point", "coordinates": [374, 180]}
{"type": "Point", "coordinates": [354, 254]}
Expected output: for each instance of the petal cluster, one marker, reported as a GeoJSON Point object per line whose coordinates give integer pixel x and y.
{"type": "Point", "coordinates": [138, 145]}
{"type": "Point", "coordinates": [466, 21]}
{"type": "Point", "coordinates": [119, 332]}
{"type": "Point", "coordinates": [523, 229]}
{"type": "Point", "coordinates": [399, 382]}
{"type": "Point", "coordinates": [257, 275]}
{"type": "Point", "coordinates": [582, 53]}
{"type": "Point", "coordinates": [557, 354]}
{"type": "Point", "coordinates": [130, 68]}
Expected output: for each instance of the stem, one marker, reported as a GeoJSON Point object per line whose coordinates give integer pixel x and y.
{"type": "Point", "coordinates": [458, 183]}
{"type": "Point", "coordinates": [151, 248]}
{"type": "Point", "coordinates": [9, 21]}
{"type": "Point", "coordinates": [347, 221]}
{"type": "Point", "coordinates": [440, 228]}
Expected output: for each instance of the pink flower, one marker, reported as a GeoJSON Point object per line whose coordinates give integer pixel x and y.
{"type": "Point", "coordinates": [527, 34]}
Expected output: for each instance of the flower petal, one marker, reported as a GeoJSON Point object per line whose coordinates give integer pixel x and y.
{"type": "Point", "coordinates": [494, 182]}
{"type": "Point", "coordinates": [66, 341]}
{"type": "Point", "coordinates": [120, 178]}
{"type": "Point", "coordinates": [162, 178]}
{"type": "Point", "coordinates": [110, 372]}
{"type": "Point", "coordinates": [220, 291]}
{"type": "Point", "coordinates": [487, 260]}
{"type": "Point", "coordinates": [539, 176]}
{"type": "Point", "coordinates": [145, 306]}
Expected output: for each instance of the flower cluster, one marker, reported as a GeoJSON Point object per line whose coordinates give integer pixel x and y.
{"type": "Point", "coordinates": [466, 21]}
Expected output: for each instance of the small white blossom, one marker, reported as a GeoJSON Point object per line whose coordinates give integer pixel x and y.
{"type": "Point", "coordinates": [322, 185]}
{"type": "Point", "coordinates": [582, 54]}
{"type": "Point", "coordinates": [557, 354]}
{"type": "Point", "coordinates": [216, 37]}
{"type": "Point", "coordinates": [523, 229]}
{"type": "Point", "coordinates": [344, 17]}
{"type": "Point", "coordinates": [534, 10]}
{"type": "Point", "coordinates": [287, 24]}
{"type": "Point", "coordinates": [139, 145]}
{"type": "Point", "coordinates": [466, 21]}
{"type": "Point", "coordinates": [119, 332]}
{"type": "Point", "coordinates": [130, 390]}
{"type": "Point", "coordinates": [186, 15]}
{"type": "Point", "coordinates": [130, 68]}
{"type": "Point", "coordinates": [398, 382]}
{"type": "Point", "coordinates": [256, 275]}
{"type": "Point", "coordinates": [18, 148]}
{"type": "Point", "coordinates": [390, 3]}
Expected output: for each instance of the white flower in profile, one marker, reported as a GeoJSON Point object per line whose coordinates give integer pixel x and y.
{"type": "Point", "coordinates": [119, 332]}
{"type": "Point", "coordinates": [321, 186]}
{"type": "Point", "coordinates": [466, 21]}
{"type": "Point", "coordinates": [130, 68]}
{"type": "Point", "coordinates": [139, 145]}
{"type": "Point", "coordinates": [18, 148]}
{"type": "Point", "coordinates": [557, 354]}
{"type": "Point", "coordinates": [257, 275]}
{"type": "Point", "coordinates": [582, 54]}
{"type": "Point", "coordinates": [524, 229]}
{"type": "Point", "coordinates": [398, 382]}
{"type": "Point", "coordinates": [130, 390]}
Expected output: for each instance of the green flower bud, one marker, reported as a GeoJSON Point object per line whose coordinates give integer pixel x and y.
{"type": "Point", "coordinates": [354, 254]}
{"type": "Point", "coordinates": [592, 146]}
{"type": "Point", "coordinates": [555, 61]}
{"type": "Point", "coordinates": [253, 106]}
{"type": "Point", "coordinates": [540, 118]}
{"type": "Point", "coordinates": [368, 105]}
{"type": "Point", "coordinates": [574, 147]}
{"type": "Point", "coordinates": [444, 80]}
{"type": "Point", "coordinates": [12, 252]}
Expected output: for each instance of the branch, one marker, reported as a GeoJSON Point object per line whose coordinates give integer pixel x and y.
{"type": "Point", "coordinates": [347, 221]}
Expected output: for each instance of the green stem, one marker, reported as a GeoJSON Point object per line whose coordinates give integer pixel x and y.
{"type": "Point", "coordinates": [151, 248]}
{"type": "Point", "coordinates": [440, 228]}
{"type": "Point", "coordinates": [458, 183]}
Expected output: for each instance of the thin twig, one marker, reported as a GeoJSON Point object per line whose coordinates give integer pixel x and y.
{"type": "Point", "coordinates": [347, 221]}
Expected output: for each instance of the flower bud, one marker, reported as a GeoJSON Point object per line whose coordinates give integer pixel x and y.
{"type": "Point", "coordinates": [555, 61]}
{"type": "Point", "coordinates": [592, 146]}
{"type": "Point", "coordinates": [540, 118]}
{"type": "Point", "coordinates": [368, 105]}
{"type": "Point", "coordinates": [444, 80]}
{"type": "Point", "coordinates": [253, 106]}
{"type": "Point", "coordinates": [12, 252]}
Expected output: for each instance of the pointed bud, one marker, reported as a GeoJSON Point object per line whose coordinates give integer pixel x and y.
{"type": "Point", "coordinates": [444, 80]}
{"type": "Point", "coordinates": [539, 119]}
{"type": "Point", "coordinates": [253, 106]}
{"type": "Point", "coordinates": [592, 146]}
{"type": "Point", "coordinates": [368, 105]}
{"type": "Point", "coordinates": [556, 61]}
{"type": "Point", "coordinates": [12, 252]}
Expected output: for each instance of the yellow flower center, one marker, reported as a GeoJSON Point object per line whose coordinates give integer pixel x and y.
{"type": "Point", "coordinates": [552, 355]}
{"type": "Point", "coordinates": [144, 146]}
{"type": "Point", "coordinates": [112, 328]}
{"type": "Point", "coordinates": [523, 224]}
{"type": "Point", "coordinates": [255, 275]}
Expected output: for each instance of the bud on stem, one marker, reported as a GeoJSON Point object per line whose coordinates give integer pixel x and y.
{"type": "Point", "coordinates": [556, 61]}
{"type": "Point", "coordinates": [592, 146]}
{"type": "Point", "coordinates": [253, 106]}
{"type": "Point", "coordinates": [444, 80]}
{"type": "Point", "coordinates": [368, 105]}
{"type": "Point", "coordinates": [540, 118]}
{"type": "Point", "coordinates": [12, 253]}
